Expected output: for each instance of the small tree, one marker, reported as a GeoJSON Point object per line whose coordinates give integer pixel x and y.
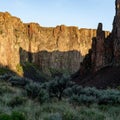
{"type": "Point", "coordinates": [57, 86]}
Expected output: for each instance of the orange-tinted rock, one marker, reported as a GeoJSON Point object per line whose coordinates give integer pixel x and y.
{"type": "Point", "coordinates": [58, 47]}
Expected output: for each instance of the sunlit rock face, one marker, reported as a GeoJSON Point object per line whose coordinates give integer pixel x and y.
{"type": "Point", "coordinates": [13, 34]}
{"type": "Point", "coordinates": [58, 47]}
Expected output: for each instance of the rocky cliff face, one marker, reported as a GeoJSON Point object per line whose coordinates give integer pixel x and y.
{"type": "Point", "coordinates": [58, 47]}
{"type": "Point", "coordinates": [105, 51]}
{"type": "Point", "coordinates": [98, 49]}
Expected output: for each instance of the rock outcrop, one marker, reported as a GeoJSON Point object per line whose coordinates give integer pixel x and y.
{"type": "Point", "coordinates": [58, 47]}
{"type": "Point", "coordinates": [103, 61]}
{"type": "Point", "coordinates": [116, 34]}
{"type": "Point", "coordinates": [98, 49]}
{"type": "Point", "coordinates": [106, 51]}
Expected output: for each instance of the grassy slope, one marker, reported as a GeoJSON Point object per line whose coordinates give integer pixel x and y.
{"type": "Point", "coordinates": [15, 99]}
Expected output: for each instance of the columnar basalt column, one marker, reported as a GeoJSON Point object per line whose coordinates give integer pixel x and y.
{"type": "Point", "coordinates": [98, 50]}
{"type": "Point", "coordinates": [116, 34]}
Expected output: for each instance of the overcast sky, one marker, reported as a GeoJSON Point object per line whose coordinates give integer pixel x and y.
{"type": "Point", "coordinates": [49, 13]}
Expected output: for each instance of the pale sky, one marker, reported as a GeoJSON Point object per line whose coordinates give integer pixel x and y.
{"type": "Point", "coordinates": [50, 13]}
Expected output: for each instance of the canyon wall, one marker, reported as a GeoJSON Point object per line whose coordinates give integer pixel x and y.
{"type": "Point", "coordinates": [105, 51]}
{"type": "Point", "coordinates": [61, 47]}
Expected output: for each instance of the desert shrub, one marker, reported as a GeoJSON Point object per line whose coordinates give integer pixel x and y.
{"type": "Point", "coordinates": [18, 81]}
{"type": "Point", "coordinates": [14, 116]}
{"type": "Point", "coordinates": [17, 116]}
{"type": "Point", "coordinates": [43, 96]}
{"type": "Point", "coordinates": [5, 117]}
{"type": "Point", "coordinates": [68, 92]}
{"type": "Point", "coordinates": [5, 76]}
{"type": "Point", "coordinates": [79, 90]}
{"type": "Point", "coordinates": [35, 91]}
{"type": "Point", "coordinates": [87, 99]}
{"type": "Point", "coordinates": [89, 114]}
{"type": "Point", "coordinates": [5, 88]}
{"type": "Point", "coordinates": [16, 101]}
{"type": "Point", "coordinates": [2, 90]}
{"type": "Point", "coordinates": [79, 95]}
{"type": "Point", "coordinates": [109, 97]}
{"type": "Point", "coordinates": [73, 90]}
{"type": "Point", "coordinates": [70, 115]}
{"type": "Point", "coordinates": [4, 70]}
{"type": "Point", "coordinates": [57, 86]}
{"type": "Point", "coordinates": [53, 116]}
{"type": "Point", "coordinates": [74, 99]}
{"type": "Point", "coordinates": [82, 99]}
{"type": "Point", "coordinates": [88, 91]}
{"type": "Point", "coordinates": [104, 107]}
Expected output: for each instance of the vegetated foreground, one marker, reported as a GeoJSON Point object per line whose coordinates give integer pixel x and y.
{"type": "Point", "coordinates": [57, 99]}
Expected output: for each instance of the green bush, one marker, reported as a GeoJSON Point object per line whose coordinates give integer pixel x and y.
{"type": "Point", "coordinates": [82, 99]}
{"type": "Point", "coordinates": [4, 70]}
{"type": "Point", "coordinates": [79, 95]}
{"type": "Point", "coordinates": [16, 101]}
{"type": "Point", "coordinates": [89, 114]}
{"type": "Point", "coordinates": [33, 89]}
{"type": "Point", "coordinates": [14, 116]}
{"type": "Point", "coordinates": [57, 86]}
{"type": "Point", "coordinates": [19, 81]}
{"type": "Point", "coordinates": [43, 96]}
{"type": "Point", "coordinates": [3, 90]}
{"type": "Point", "coordinates": [17, 116]}
{"type": "Point", "coordinates": [5, 117]}
{"type": "Point", "coordinates": [109, 97]}
{"type": "Point", "coordinates": [90, 91]}
{"type": "Point", "coordinates": [36, 91]}
{"type": "Point", "coordinates": [55, 116]}
{"type": "Point", "coordinates": [5, 76]}
{"type": "Point", "coordinates": [70, 115]}
{"type": "Point", "coordinates": [73, 90]}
